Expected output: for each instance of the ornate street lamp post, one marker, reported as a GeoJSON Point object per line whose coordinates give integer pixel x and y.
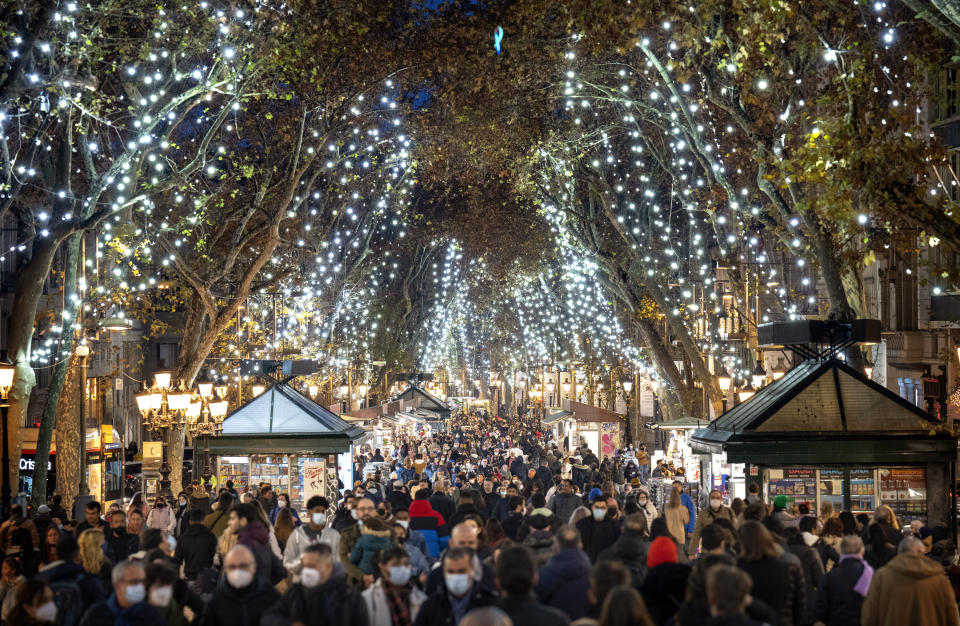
{"type": "Point", "coordinates": [205, 419]}
{"type": "Point", "coordinates": [163, 410]}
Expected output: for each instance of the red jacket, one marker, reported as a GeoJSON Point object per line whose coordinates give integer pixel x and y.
{"type": "Point", "coordinates": [422, 508]}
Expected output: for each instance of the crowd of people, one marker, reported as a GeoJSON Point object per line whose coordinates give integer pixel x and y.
{"type": "Point", "coordinates": [488, 523]}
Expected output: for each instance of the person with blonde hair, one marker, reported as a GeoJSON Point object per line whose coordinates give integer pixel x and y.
{"type": "Point", "coordinates": [92, 558]}
{"type": "Point", "coordinates": [677, 517]}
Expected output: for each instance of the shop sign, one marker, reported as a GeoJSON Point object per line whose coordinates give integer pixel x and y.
{"type": "Point", "coordinates": [795, 473]}
{"type": "Point", "coordinates": [313, 479]}
{"type": "Point", "coordinates": [28, 464]}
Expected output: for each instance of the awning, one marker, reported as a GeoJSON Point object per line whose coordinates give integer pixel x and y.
{"type": "Point", "coordinates": [589, 413]}
{"type": "Point", "coordinates": [553, 418]}
{"type": "Point", "coordinates": [682, 423]}
{"type": "Point", "coordinates": [825, 412]}
{"type": "Point", "coordinates": [283, 421]}
{"type": "Point", "coordinates": [416, 398]}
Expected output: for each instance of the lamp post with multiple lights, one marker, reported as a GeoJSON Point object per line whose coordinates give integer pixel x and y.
{"type": "Point", "coordinates": [164, 409]}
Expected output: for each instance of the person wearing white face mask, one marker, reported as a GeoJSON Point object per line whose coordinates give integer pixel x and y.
{"type": "Point", "coordinates": [34, 604]}
{"type": "Point", "coordinates": [713, 511]}
{"type": "Point", "coordinates": [321, 598]}
{"type": "Point", "coordinates": [160, 581]}
{"type": "Point", "coordinates": [242, 597]}
{"type": "Point", "coordinates": [316, 530]}
{"type": "Point", "coordinates": [459, 594]}
{"type": "Point", "coordinates": [127, 604]}
{"type": "Point", "coordinates": [393, 599]}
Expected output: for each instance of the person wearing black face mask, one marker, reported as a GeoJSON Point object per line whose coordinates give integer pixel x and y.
{"type": "Point", "coordinates": [118, 544]}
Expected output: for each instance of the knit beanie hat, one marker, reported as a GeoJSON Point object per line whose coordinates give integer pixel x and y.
{"type": "Point", "coordinates": [595, 494]}
{"type": "Point", "coordinates": [662, 550]}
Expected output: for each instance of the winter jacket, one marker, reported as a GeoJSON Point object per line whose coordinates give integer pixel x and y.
{"type": "Point", "coordinates": [687, 501]}
{"type": "Point", "coordinates": [526, 610]}
{"type": "Point", "coordinates": [8, 528]}
{"type": "Point", "coordinates": [511, 525]}
{"type": "Point", "coordinates": [367, 545]}
{"type": "Point", "coordinates": [429, 523]}
{"type": "Point", "coordinates": [300, 538]}
{"type": "Point", "coordinates": [541, 543]}
{"type": "Point", "coordinates": [704, 519]}
{"type": "Point", "coordinates": [217, 522]}
{"type": "Point", "coordinates": [141, 614]}
{"type": "Point", "coordinates": [597, 535]}
{"type": "Point", "coordinates": [239, 607]}
{"type": "Point", "coordinates": [564, 504]}
{"type": "Point", "coordinates": [442, 504]}
{"type": "Point", "coordinates": [677, 522]}
{"type": "Point", "coordinates": [663, 590]}
{"type": "Point", "coordinates": [564, 582]}
{"type": "Point", "coordinates": [648, 510]}
{"type": "Point", "coordinates": [202, 502]}
{"type": "Point", "coordinates": [348, 541]}
{"type": "Point", "coordinates": [812, 575]}
{"type": "Point", "coordinates": [256, 537]}
{"type": "Point", "coordinates": [91, 590]}
{"type": "Point", "coordinates": [118, 547]}
{"type": "Point", "coordinates": [162, 518]}
{"type": "Point", "coordinates": [195, 550]}
{"type": "Point", "coordinates": [399, 499]}
{"type": "Point", "coordinates": [838, 603]}
{"type": "Point", "coordinates": [910, 589]}
{"type": "Point", "coordinates": [378, 609]}
{"type": "Point", "coordinates": [778, 581]}
{"type": "Point", "coordinates": [418, 560]}
{"type": "Point", "coordinates": [334, 603]}
{"type": "Point", "coordinates": [631, 550]}
{"type": "Point", "coordinates": [438, 610]}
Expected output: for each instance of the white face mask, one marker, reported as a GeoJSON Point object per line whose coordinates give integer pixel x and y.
{"type": "Point", "coordinates": [282, 504]}
{"type": "Point", "coordinates": [160, 596]}
{"type": "Point", "coordinates": [457, 584]}
{"type": "Point", "coordinates": [135, 593]}
{"type": "Point", "coordinates": [715, 504]}
{"type": "Point", "coordinates": [400, 574]}
{"type": "Point", "coordinates": [239, 578]}
{"type": "Point", "coordinates": [404, 522]}
{"type": "Point", "coordinates": [599, 514]}
{"type": "Point", "coordinates": [319, 519]}
{"type": "Point", "coordinates": [354, 514]}
{"type": "Point", "coordinates": [47, 613]}
{"type": "Point", "coordinates": [309, 577]}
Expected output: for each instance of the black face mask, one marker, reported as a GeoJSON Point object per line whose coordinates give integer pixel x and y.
{"type": "Point", "coordinates": [119, 532]}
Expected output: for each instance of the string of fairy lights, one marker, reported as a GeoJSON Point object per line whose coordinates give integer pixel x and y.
{"type": "Point", "coordinates": [161, 156]}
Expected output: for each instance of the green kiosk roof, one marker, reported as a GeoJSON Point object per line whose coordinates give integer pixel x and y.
{"type": "Point", "coordinates": [281, 420]}
{"type": "Point", "coordinates": [825, 412]}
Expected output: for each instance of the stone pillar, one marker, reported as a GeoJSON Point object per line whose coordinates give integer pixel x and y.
{"type": "Point", "coordinates": [938, 494]}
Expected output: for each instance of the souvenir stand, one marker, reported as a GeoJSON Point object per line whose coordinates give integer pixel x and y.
{"type": "Point", "coordinates": [680, 453]}
{"type": "Point", "coordinates": [579, 424]}
{"type": "Point", "coordinates": [284, 438]}
{"type": "Point", "coordinates": [826, 433]}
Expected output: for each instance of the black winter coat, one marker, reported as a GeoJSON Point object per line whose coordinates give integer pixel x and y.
{"type": "Point", "coordinates": [239, 607]}
{"type": "Point", "coordinates": [663, 590]}
{"type": "Point", "coordinates": [443, 505]}
{"type": "Point", "coordinates": [195, 550]}
{"type": "Point", "coordinates": [333, 603]}
{"type": "Point", "coordinates": [778, 581]}
{"type": "Point", "coordinates": [526, 610]}
{"type": "Point", "coordinates": [597, 536]}
{"type": "Point", "coordinates": [564, 583]}
{"type": "Point", "coordinates": [837, 603]}
{"type": "Point", "coordinates": [812, 574]}
{"type": "Point", "coordinates": [631, 550]}
{"type": "Point", "coordinates": [438, 610]}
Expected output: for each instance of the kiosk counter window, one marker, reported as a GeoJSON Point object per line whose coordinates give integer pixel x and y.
{"type": "Point", "coordinates": [798, 483]}
{"type": "Point", "coordinates": [237, 469]}
{"type": "Point", "coordinates": [904, 489]}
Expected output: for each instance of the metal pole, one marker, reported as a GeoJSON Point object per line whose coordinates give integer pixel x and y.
{"type": "Point", "coordinates": [5, 489]}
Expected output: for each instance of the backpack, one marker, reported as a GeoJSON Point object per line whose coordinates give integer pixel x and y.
{"type": "Point", "coordinates": [69, 600]}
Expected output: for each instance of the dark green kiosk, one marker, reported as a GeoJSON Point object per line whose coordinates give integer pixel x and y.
{"type": "Point", "coordinates": [826, 433]}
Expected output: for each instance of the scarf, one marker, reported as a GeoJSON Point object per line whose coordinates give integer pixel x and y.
{"type": "Point", "coordinates": [862, 585]}
{"type": "Point", "coordinates": [398, 600]}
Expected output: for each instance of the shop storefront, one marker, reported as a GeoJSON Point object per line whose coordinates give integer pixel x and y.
{"type": "Point", "coordinates": [578, 424]}
{"type": "Point", "coordinates": [825, 433]}
{"type": "Point", "coordinates": [283, 438]}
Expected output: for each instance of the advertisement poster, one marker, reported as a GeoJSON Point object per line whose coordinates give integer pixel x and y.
{"type": "Point", "coordinates": [313, 479]}
{"type": "Point", "coordinates": [609, 438]}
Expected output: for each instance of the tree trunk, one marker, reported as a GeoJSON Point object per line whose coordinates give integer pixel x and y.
{"type": "Point", "coordinates": [49, 417]}
{"type": "Point", "coordinates": [69, 434]}
{"type": "Point", "coordinates": [19, 338]}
